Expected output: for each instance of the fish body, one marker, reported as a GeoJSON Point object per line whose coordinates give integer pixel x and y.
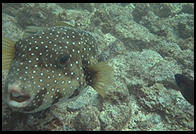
{"type": "Point", "coordinates": [186, 87]}
{"type": "Point", "coordinates": [54, 65]}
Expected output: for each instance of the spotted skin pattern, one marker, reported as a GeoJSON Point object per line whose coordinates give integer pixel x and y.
{"type": "Point", "coordinates": [50, 65]}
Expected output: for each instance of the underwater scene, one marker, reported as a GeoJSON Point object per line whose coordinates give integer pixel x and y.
{"type": "Point", "coordinates": [98, 67]}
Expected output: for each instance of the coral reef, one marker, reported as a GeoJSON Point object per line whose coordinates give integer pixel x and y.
{"type": "Point", "coordinates": [87, 119]}
{"type": "Point", "coordinates": [146, 44]}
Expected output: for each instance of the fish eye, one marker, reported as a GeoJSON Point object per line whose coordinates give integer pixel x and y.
{"type": "Point", "coordinates": [64, 60]}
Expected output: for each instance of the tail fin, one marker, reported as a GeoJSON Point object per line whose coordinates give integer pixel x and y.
{"type": "Point", "coordinates": [8, 52]}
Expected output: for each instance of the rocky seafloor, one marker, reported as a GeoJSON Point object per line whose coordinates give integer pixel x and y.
{"type": "Point", "coordinates": [146, 44]}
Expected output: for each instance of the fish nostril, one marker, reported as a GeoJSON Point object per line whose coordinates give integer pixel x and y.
{"type": "Point", "coordinates": [18, 97]}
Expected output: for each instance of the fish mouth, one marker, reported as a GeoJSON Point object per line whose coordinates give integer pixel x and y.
{"type": "Point", "coordinates": [18, 99]}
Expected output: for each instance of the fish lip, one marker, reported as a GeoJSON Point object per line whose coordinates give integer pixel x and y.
{"type": "Point", "coordinates": [14, 103]}
{"type": "Point", "coordinates": [17, 95]}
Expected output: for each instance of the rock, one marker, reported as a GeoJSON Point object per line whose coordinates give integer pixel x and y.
{"type": "Point", "coordinates": [161, 10]}
{"type": "Point", "coordinates": [140, 10]}
{"type": "Point", "coordinates": [150, 66]}
{"type": "Point", "coordinates": [187, 44]}
{"type": "Point", "coordinates": [146, 44]}
{"type": "Point", "coordinates": [185, 31]}
{"type": "Point", "coordinates": [114, 48]}
{"type": "Point", "coordinates": [87, 119]}
{"type": "Point", "coordinates": [188, 8]}
{"type": "Point", "coordinates": [35, 15]}
{"type": "Point", "coordinates": [163, 102]}
{"type": "Point", "coordinates": [113, 117]}
{"type": "Point", "coordinates": [10, 29]}
{"type": "Point", "coordinates": [87, 97]}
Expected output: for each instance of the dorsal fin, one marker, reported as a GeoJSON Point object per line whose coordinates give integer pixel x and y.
{"type": "Point", "coordinates": [30, 30]}
{"type": "Point", "coordinates": [63, 24]}
{"type": "Point", "coordinates": [34, 29]}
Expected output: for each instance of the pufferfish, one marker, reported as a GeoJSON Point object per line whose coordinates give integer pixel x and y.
{"type": "Point", "coordinates": [52, 65]}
